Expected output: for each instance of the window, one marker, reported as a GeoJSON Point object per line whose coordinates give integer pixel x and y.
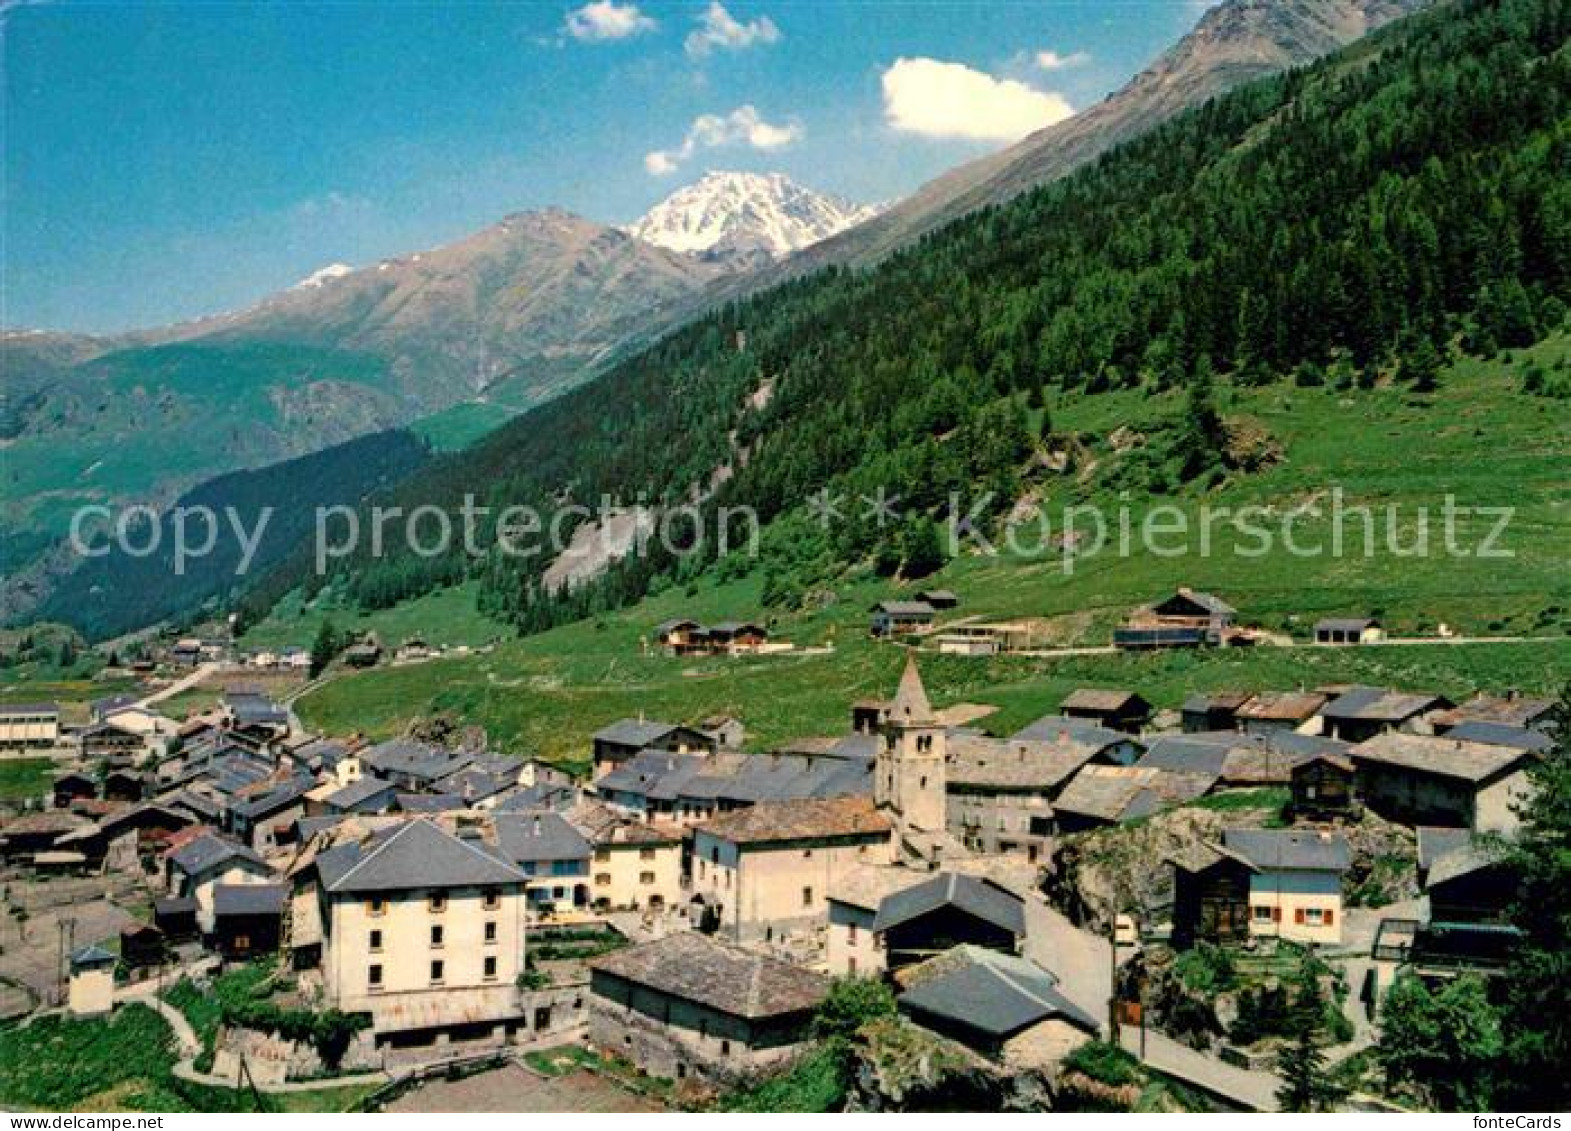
{"type": "Point", "coordinates": [490, 932]}
{"type": "Point", "coordinates": [373, 976]}
{"type": "Point", "coordinates": [489, 970]}
{"type": "Point", "coordinates": [1311, 916]}
{"type": "Point", "coordinates": [807, 897]}
{"type": "Point", "coordinates": [438, 972]}
{"type": "Point", "coordinates": [437, 903]}
{"type": "Point", "coordinates": [851, 966]}
{"type": "Point", "coordinates": [646, 854]}
{"type": "Point", "coordinates": [602, 854]}
{"type": "Point", "coordinates": [603, 879]}
{"type": "Point", "coordinates": [807, 854]}
{"type": "Point", "coordinates": [491, 899]}
{"type": "Point", "coordinates": [714, 854]}
{"type": "Point", "coordinates": [1262, 914]}
{"type": "Point", "coordinates": [725, 1048]}
{"type": "Point", "coordinates": [851, 934]}
{"type": "Point", "coordinates": [376, 940]}
{"type": "Point", "coordinates": [646, 877]}
{"type": "Point", "coordinates": [436, 935]}
{"type": "Point", "coordinates": [376, 907]}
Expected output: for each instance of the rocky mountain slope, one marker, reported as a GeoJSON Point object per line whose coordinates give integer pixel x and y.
{"type": "Point", "coordinates": [746, 218]}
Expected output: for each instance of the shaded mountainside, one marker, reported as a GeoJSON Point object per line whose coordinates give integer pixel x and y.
{"type": "Point", "coordinates": [1290, 229]}
{"type": "Point", "coordinates": [275, 506]}
{"type": "Point", "coordinates": [1234, 43]}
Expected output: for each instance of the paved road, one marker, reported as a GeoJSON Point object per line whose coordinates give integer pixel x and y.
{"type": "Point", "coordinates": [1255, 1090]}
{"type": "Point", "coordinates": [1083, 964]}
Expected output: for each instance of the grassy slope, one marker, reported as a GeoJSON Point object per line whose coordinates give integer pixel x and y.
{"type": "Point", "coordinates": [445, 617]}
{"type": "Point", "coordinates": [1480, 439]}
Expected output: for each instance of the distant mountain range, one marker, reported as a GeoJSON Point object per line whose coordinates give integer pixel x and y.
{"type": "Point", "coordinates": [521, 311]}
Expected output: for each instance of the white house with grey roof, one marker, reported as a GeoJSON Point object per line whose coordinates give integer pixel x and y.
{"type": "Point", "coordinates": [1295, 881]}
{"type": "Point", "coordinates": [419, 922]}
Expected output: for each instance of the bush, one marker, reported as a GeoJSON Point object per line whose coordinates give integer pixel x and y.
{"type": "Point", "coordinates": [1105, 1063]}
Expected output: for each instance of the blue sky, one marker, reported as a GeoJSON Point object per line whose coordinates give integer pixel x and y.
{"type": "Point", "coordinates": [164, 161]}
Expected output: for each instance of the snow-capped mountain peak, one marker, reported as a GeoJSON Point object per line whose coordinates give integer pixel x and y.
{"type": "Point", "coordinates": [324, 274]}
{"type": "Point", "coordinates": [747, 216]}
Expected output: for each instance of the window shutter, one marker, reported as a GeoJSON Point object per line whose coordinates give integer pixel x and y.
{"type": "Point", "coordinates": [1276, 914]}
{"type": "Point", "coordinates": [1298, 915]}
{"type": "Point", "coordinates": [1330, 916]}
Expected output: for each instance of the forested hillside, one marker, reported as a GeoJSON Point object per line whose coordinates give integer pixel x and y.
{"type": "Point", "coordinates": [275, 507]}
{"type": "Point", "coordinates": [1356, 224]}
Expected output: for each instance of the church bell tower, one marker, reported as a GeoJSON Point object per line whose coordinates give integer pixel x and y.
{"type": "Point", "coordinates": [908, 778]}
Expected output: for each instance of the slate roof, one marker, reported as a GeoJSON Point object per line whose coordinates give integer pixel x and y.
{"type": "Point", "coordinates": [429, 802]}
{"type": "Point", "coordinates": [359, 792]}
{"type": "Point", "coordinates": [412, 854]}
{"type": "Point", "coordinates": [7, 709]}
{"type": "Point", "coordinates": [1435, 841]}
{"type": "Point", "coordinates": [1239, 759]}
{"type": "Point", "coordinates": [260, 800]}
{"type": "Point", "coordinates": [1513, 710]}
{"type": "Point", "coordinates": [1207, 601]}
{"type": "Point", "coordinates": [1099, 699]}
{"type": "Point", "coordinates": [531, 837]}
{"type": "Point", "coordinates": [209, 850]}
{"type": "Point", "coordinates": [697, 968]}
{"type": "Point", "coordinates": [866, 885]}
{"type": "Point", "coordinates": [249, 899]}
{"type": "Point", "coordinates": [1442, 757]}
{"type": "Point", "coordinates": [1290, 850]}
{"type": "Point", "coordinates": [1345, 624]}
{"type": "Point", "coordinates": [1220, 701]}
{"type": "Point", "coordinates": [904, 608]}
{"type": "Point", "coordinates": [1049, 727]}
{"type": "Point", "coordinates": [413, 759]}
{"type": "Point", "coordinates": [1500, 734]}
{"type": "Point", "coordinates": [1463, 861]}
{"type": "Point", "coordinates": [805, 819]}
{"type": "Point", "coordinates": [1283, 706]}
{"type": "Point", "coordinates": [1379, 704]}
{"type": "Point", "coordinates": [634, 732]}
{"type": "Point", "coordinates": [91, 958]}
{"type": "Point", "coordinates": [997, 995]}
{"type": "Point", "coordinates": [1123, 793]}
{"type": "Point", "coordinates": [995, 763]}
{"type": "Point", "coordinates": [975, 896]}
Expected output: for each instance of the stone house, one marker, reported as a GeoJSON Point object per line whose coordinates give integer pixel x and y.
{"type": "Point", "coordinates": [1115, 710]}
{"type": "Point", "coordinates": [1421, 779]}
{"type": "Point", "coordinates": [1005, 1007]}
{"type": "Point", "coordinates": [1360, 713]}
{"type": "Point", "coordinates": [690, 1007]}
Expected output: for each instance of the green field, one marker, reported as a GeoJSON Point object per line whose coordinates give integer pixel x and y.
{"type": "Point", "coordinates": [22, 778]}
{"type": "Point", "coordinates": [446, 617]}
{"type": "Point", "coordinates": [1480, 439]}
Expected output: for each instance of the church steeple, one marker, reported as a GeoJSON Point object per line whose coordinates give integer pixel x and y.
{"type": "Point", "coordinates": [909, 774]}
{"type": "Point", "coordinates": [911, 706]}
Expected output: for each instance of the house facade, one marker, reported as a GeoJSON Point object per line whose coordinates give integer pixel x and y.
{"type": "Point", "coordinates": [767, 870]}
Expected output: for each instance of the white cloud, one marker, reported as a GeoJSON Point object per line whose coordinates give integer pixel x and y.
{"type": "Point", "coordinates": [601, 20]}
{"type": "Point", "coordinates": [1053, 61]}
{"type": "Point", "coordinates": [719, 29]}
{"type": "Point", "coordinates": [742, 126]}
{"type": "Point", "coordinates": [938, 99]}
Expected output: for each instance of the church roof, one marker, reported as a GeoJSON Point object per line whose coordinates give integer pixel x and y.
{"type": "Point", "coordinates": [910, 704]}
